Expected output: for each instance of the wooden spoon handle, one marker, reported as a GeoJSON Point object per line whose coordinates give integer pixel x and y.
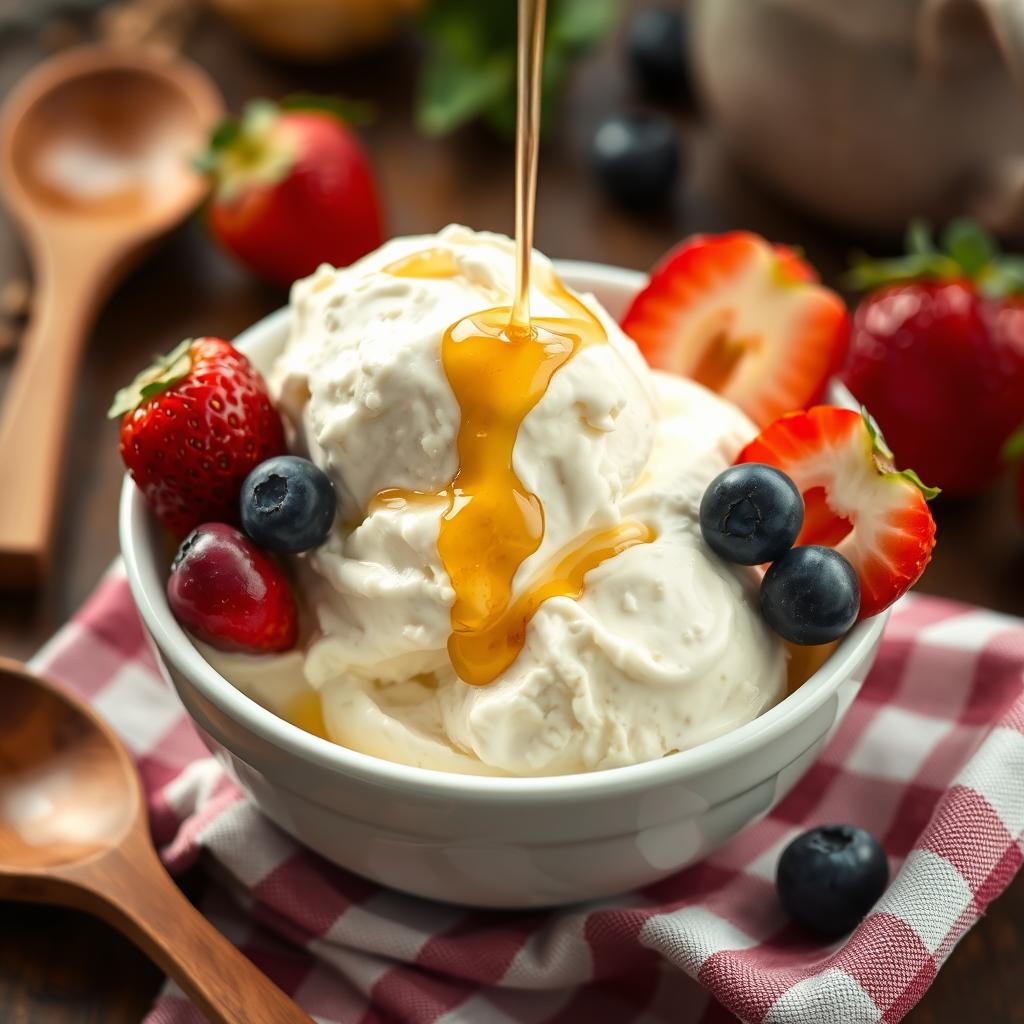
{"type": "Point", "coordinates": [130, 889]}
{"type": "Point", "coordinates": [36, 408]}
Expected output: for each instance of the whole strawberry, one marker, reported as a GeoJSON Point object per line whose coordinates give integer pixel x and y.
{"type": "Point", "coordinates": [292, 189]}
{"type": "Point", "coordinates": [937, 354]}
{"type": "Point", "coordinates": [194, 425]}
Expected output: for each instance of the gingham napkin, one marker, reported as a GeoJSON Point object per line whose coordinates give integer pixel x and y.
{"type": "Point", "coordinates": [930, 758]}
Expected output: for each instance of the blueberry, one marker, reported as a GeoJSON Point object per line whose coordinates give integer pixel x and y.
{"type": "Point", "coordinates": [656, 43]}
{"type": "Point", "coordinates": [287, 504]}
{"type": "Point", "coordinates": [636, 157]}
{"type": "Point", "coordinates": [830, 877]}
{"type": "Point", "coordinates": [751, 514]}
{"type": "Point", "coordinates": [811, 595]}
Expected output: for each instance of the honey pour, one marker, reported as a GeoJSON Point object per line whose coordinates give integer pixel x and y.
{"type": "Point", "coordinates": [499, 363]}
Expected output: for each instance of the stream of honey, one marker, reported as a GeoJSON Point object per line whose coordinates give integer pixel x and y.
{"type": "Point", "coordinates": [499, 363]}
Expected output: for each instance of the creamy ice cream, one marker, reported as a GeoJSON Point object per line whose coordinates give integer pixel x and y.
{"type": "Point", "coordinates": [665, 646]}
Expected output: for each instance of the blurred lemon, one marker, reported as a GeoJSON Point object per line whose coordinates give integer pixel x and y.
{"type": "Point", "coordinates": [315, 30]}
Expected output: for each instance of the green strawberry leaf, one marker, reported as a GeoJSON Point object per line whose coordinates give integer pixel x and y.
{"type": "Point", "coordinates": [968, 251]}
{"type": "Point", "coordinates": [866, 274]}
{"type": "Point", "coordinates": [258, 115]}
{"type": "Point", "coordinates": [878, 443]}
{"type": "Point", "coordinates": [969, 245]}
{"type": "Point", "coordinates": [222, 138]}
{"type": "Point", "coordinates": [167, 371]}
{"type": "Point", "coordinates": [919, 238]}
{"type": "Point", "coordinates": [928, 492]}
{"type": "Point", "coordinates": [1003, 277]}
{"type": "Point", "coordinates": [226, 132]}
{"type": "Point", "coordinates": [247, 151]}
{"type": "Point", "coordinates": [886, 461]}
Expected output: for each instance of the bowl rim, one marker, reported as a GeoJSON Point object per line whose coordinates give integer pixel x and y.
{"type": "Point", "coordinates": [177, 648]}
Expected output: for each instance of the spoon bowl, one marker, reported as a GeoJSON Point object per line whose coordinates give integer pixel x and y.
{"type": "Point", "coordinates": [67, 789]}
{"type": "Point", "coordinates": [94, 165]}
{"type": "Point", "coordinates": [73, 831]}
{"type": "Point", "coordinates": [110, 141]}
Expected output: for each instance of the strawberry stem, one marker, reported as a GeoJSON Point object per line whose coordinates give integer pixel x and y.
{"type": "Point", "coordinates": [247, 152]}
{"type": "Point", "coordinates": [885, 461]}
{"type": "Point", "coordinates": [967, 252]}
{"type": "Point", "coordinates": [155, 379]}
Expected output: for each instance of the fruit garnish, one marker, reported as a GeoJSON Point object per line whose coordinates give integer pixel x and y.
{"type": "Point", "coordinates": [855, 500]}
{"type": "Point", "coordinates": [288, 504]}
{"type": "Point", "coordinates": [829, 878]}
{"type": "Point", "coordinates": [746, 318]}
{"type": "Point", "coordinates": [810, 595]}
{"type": "Point", "coordinates": [751, 514]}
{"type": "Point", "coordinates": [937, 353]}
{"type": "Point", "coordinates": [227, 592]}
{"type": "Point", "coordinates": [636, 158]}
{"type": "Point", "coordinates": [292, 189]}
{"type": "Point", "coordinates": [194, 424]}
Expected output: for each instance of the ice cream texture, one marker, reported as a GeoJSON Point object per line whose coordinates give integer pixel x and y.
{"type": "Point", "coordinates": [516, 582]}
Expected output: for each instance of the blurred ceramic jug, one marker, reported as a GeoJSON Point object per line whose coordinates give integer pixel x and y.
{"type": "Point", "coordinates": [869, 112]}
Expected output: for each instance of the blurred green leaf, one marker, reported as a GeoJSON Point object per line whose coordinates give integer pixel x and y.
{"type": "Point", "coordinates": [969, 244]}
{"type": "Point", "coordinates": [453, 92]}
{"type": "Point", "coordinates": [579, 24]}
{"type": "Point", "coordinates": [866, 274]}
{"type": "Point", "coordinates": [471, 29]}
{"type": "Point", "coordinates": [968, 252]}
{"type": "Point", "coordinates": [1005, 278]}
{"type": "Point", "coordinates": [470, 69]}
{"type": "Point", "coordinates": [919, 238]}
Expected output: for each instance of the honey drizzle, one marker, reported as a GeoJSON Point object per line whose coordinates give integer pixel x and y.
{"type": "Point", "coordinates": [529, 64]}
{"type": "Point", "coordinates": [499, 363]}
{"type": "Point", "coordinates": [429, 263]}
{"type": "Point", "coordinates": [484, 653]}
{"type": "Point", "coordinates": [491, 523]}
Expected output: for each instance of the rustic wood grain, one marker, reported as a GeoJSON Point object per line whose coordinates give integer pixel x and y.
{"type": "Point", "coordinates": [62, 968]}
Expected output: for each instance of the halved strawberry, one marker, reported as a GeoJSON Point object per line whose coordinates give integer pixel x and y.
{"type": "Point", "coordinates": [746, 318]}
{"type": "Point", "coordinates": [855, 499]}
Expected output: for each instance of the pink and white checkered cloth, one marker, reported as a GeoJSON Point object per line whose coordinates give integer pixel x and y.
{"type": "Point", "coordinates": [930, 758]}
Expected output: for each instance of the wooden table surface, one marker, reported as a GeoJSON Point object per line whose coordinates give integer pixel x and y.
{"type": "Point", "coordinates": [58, 967]}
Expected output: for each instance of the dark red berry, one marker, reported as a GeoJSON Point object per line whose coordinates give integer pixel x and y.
{"type": "Point", "coordinates": [229, 593]}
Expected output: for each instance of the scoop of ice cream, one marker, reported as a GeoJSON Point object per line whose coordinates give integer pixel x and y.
{"type": "Point", "coordinates": [362, 380]}
{"type": "Point", "coordinates": [665, 647]}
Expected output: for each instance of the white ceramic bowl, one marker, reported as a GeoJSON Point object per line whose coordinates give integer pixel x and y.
{"type": "Point", "coordinates": [495, 842]}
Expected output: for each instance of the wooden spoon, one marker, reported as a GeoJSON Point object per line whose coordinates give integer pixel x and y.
{"type": "Point", "coordinates": [73, 831]}
{"type": "Point", "coordinates": [94, 164]}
